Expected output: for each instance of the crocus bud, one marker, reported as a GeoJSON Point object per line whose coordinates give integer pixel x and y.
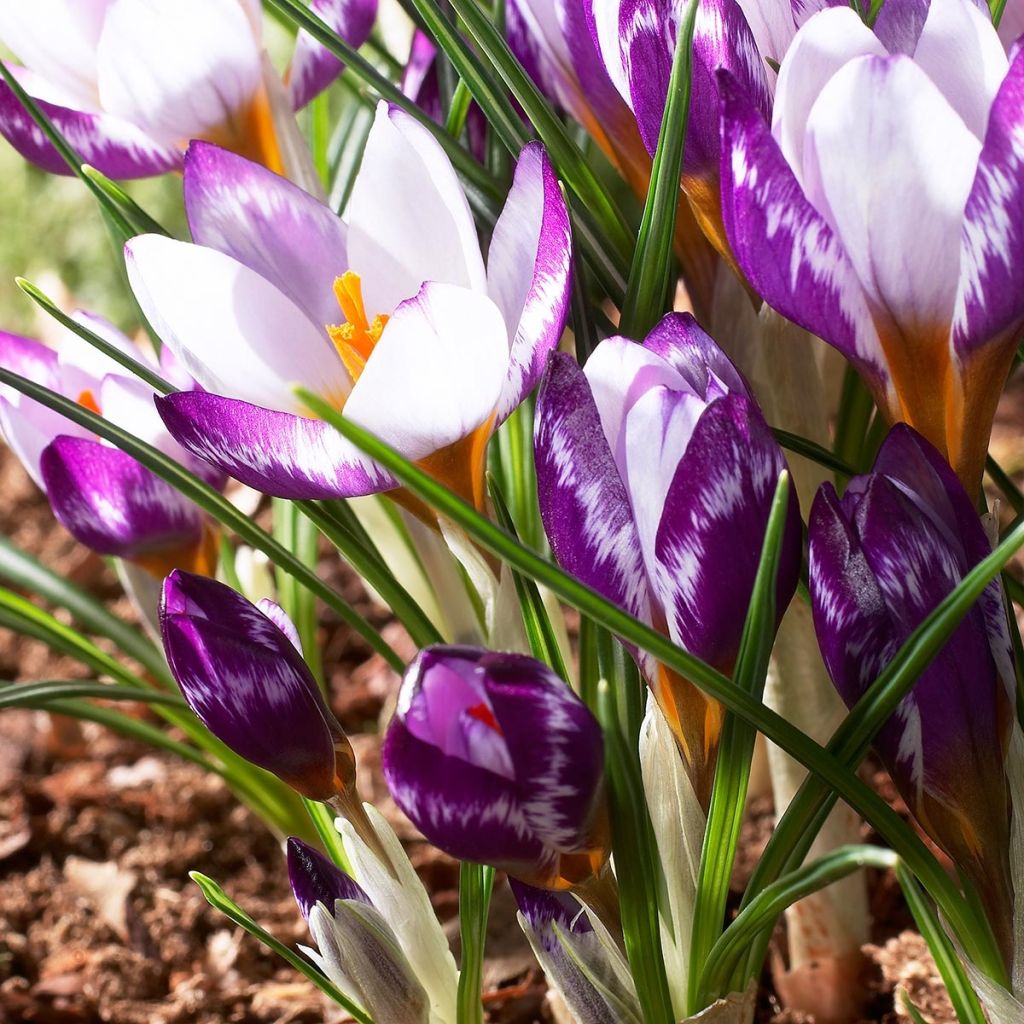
{"type": "Point", "coordinates": [357, 948]}
{"type": "Point", "coordinates": [582, 963]}
{"type": "Point", "coordinates": [243, 677]}
{"type": "Point", "coordinates": [881, 558]}
{"type": "Point", "coordinates": [655, 475]}
{"type": "Point", "coordinates": [497, 761]}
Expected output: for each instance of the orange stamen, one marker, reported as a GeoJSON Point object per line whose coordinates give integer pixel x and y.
{"type": "Point", "coordinates": [88, 401]}
{"type": "Point", "coordinates": [356, 337]}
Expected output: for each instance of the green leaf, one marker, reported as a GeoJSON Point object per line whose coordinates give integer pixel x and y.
{"type": "Point", "coordinates": [855, 408]}
{"type": "Point", "coordinates": [40, 692]}
{"type": "Point", "coordinates": [732, 766]}
{"type": "Point", "coordinates": [219, 900]}
{"type": "Point", "coordinates": [475, 884]}
{"type": "Point", "coordinates": [651, 273]}
{"type": "Point", "coordinates": [1005, 483]}
{"type": "Point", "coordinates": [997, 7]}
{"type": "Point", "coordinates": [815, 452]}
{"type": "Point", "coordinates": [207, 499]}
{"type": "Point", "coordinates": [299, 536]}
{"type": "Point", "coordinates": [322, 818]}
{"type": "Point", "coordinates": [142, 223]}
{"type": "Point", "coordinates": [834, 772]}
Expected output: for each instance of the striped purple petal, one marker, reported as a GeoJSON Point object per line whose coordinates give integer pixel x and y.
{"type": "Point", "coordinates": [279, 453]}
{"type": "Point", "coordinates": [314, 879]}
{"type": "Point", "coordinates": [529, 272]}
{"type": "Point", "coordinates": [694, 355]}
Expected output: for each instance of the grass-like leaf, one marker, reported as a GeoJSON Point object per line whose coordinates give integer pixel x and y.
{"type": "Point", "coordinates": [13, 695]}
{"type": "Point", "coordinates": [475, 884]}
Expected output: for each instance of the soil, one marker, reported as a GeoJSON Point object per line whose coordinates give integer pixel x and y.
{"type": "Point", "coordinates": [99, 921]}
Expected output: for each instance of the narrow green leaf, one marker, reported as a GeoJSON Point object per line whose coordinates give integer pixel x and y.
{"type": "Point", "coordinates": [459, 110]}
{"type": "Point", "coordinates": [815, 452]}
{"type": "Point", "coordinates": [996, 7]}
{"type": "Point", "coordinates": [855, 408]}
{"type": "Point", "coordinates": [322, 818]}
{"type": "Point", "coordinates": [14, 695]}
{"type": "Point", "coordinates": [475, 884]}
{"type": "Point", "coordinates": [300, 537]}
{"type": "Point", "coordinates": [219, 900]}
{"type": "Point", "coordinates": [651, 273]}
{"type": "Point", "coordinates": [141, 221]}
{"type": "Point", "coordinates": [1005, 483]}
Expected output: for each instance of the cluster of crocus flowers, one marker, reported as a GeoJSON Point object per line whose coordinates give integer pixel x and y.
{"type": "Point", "coordinates": [654, 469]}
{"type": "Point", "coordinates": [390, 315]}
{"type": "Point", "coordinates": [129, 82]}
{"type": "Point", "coordinates": [882, 557]}
{"type": "Point", "coordinates": [103, 497]}
{"type": "Point", "coordinates": [912, 269]}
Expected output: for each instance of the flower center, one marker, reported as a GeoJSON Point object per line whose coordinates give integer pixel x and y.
{"type": "Point", "coordinates": [356, 337]}
{"type": "Point", "coordinates": [482, 713]}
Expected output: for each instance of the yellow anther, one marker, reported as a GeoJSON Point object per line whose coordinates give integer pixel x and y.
{"type": "Point", "coordinates": [355, 338]}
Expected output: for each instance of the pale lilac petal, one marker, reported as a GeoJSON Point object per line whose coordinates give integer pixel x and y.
{"type": "Point", "coordinates": [114, 505]}
{"type": "Point", "coordinates": [529, 271]}
{"type": "Point", "coordinates": [269, 225]}
{"type": "Point", "coordinates": [29, 427]}
{"type": "Point", "coordinates": [278, 453]}
{"type": "Point", "coordinates": [280, 618]}
{"type": "Point", "coordinates": [990, 300]}
{"type": "Point", "coordinates": [28, 358]}
{"type": "Point", "coordinates": [899, 24]}
{"type": "Point", "coordinates": [772, 25]}
{"type": "Point", "coordinates": [786, 250]}
{"type": "Point", "coordinates": [233, 330]}
{"type": "Point", "coordinates": [409, 220]}
{"type": "Point", "coordinates": [313, 66]}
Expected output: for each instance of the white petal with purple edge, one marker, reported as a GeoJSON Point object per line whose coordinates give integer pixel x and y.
{"type": "Point", "coordinates": [236, 334]}
{"type": "Point", "coordinates": [29, 427]}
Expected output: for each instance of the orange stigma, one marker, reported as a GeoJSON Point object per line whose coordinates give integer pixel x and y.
{"type": "Point", "coordinates": [88, 401]}
{"type": "Point", "coordinates": [482, 713]}
{"type": "Point", "coordinates": [356, 337]}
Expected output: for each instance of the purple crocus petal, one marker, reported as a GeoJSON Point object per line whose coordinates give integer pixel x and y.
{"type": "Point", "coordinates": [542, 908]}
{"type": "Point", "coordinates": [313, 66]}
{"type": "Point", "coordinates": [114, 505]}
{"type": "Point", "coordinates": [281, 454]}
{"type": "Point", "coordinates": [785, 249]}
{"type": "Point", "coordinates": [990, 301]}
{"type": "Point", "coordinates": [529, 272]}
{"type": "Point", "coordinates": [280, 618]}
{"type": "Point", "coordinates": [243, 678]}
{"type": "Point", "coordinates": [419, 76]}
{"type": "Point", "coordinates": [899, 24]}
{"type": "Point", "coordinates": [715, 514]}
{"type": "Point", "coordinates": [28, 358]}
{"type": "Point", "coordinates": [583, 501]}
{"type": "Point", "coordinates": [268, 224]}
{"type": "Point", "coordinates": [314, 879]}
{"type": "Point", "coordinates": [527, 41]}
{"type": "Point", "coordinates": [114, 146]}
{"type": "Point", "coordinates": [693, 354]}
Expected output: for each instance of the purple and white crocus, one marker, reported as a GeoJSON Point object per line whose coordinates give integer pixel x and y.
{"type": "Point", "coordinates": [103, 497]}
{"type": "Point", "coordinates": [391, 315]}
{"type": "Point", "coordinates": [129, 82]}
{"type": "Point", "coordinates": [883, 208]}
{"type": "Point", "coordinates": [497, 761]}
{"type": "Point", "coordinates": [655, 469]}
{"type": "Point", "coordinates": [881, 558]}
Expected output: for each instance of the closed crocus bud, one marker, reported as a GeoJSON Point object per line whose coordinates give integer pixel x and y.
{"type": "Point", "coordinates": [244, 678]}
{"type": "Point", "coordinates": [581, 962]}
{"type": "Point", "coordinates": [497, 761]}
{"type": "Point", "coordinates": [356, 947]}
{"type": "Point", "coordinates": [882, 557]}
{"type": "Point", "coordinates": [656, 474]}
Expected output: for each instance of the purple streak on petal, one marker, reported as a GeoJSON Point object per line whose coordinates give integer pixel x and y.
{"type": "Point", "coordinates": [529, 272]}
{"type": "Point", "coordinates": [114, 505]}
{"type": "Point", "coordinates": [279, 617]}
{"type": "Point", "coordinates": [111, 145]}
{"type": "Point", "coordinates": [314, 879]}
{"type": "Point", "coordinates": [899, 24]}
{"type": "Point", "coordinates": [694, 355]}
{"type": "Point", "coordinates": [715, 515]}
{"type": "Point", "coordinates": [269, 225]}
{"type": "Point", "coordinates": [28, 358]}
{"type": "Point", "coordinates": [278, 453]}
{"type": "Point", "coordinates": [990, 302]}
{"type": "Point", "coordinates": [243, 678]}
{"type": "Point", "coordinates": [787, 251]}
{"type": "Point", "coordinates": [583, 502]}
{"type": "Point", "coordinates": [419, 77]}
{"type": "Point", "coordinates": [313, 66]}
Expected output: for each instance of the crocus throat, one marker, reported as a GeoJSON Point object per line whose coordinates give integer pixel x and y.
{"type": "Point", "coordinates": [356, 337]}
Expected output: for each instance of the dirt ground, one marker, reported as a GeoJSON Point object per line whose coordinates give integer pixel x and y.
{"type": "Point", "coordinates": [100, 923]}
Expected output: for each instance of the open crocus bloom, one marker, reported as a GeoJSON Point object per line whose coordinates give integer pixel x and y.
{"type": "Point", "coordinates": [882, 558]}
{"type": "Point", "coordinates": [884, 209]}
{"type": "Point", "coordinates": [103, 497]}
{"type": "Point", "coordinates": [653, 467]}
{"type": "Point", "coordinates": [130, 82]}
{"type": "Point", "coordinates": [391, 316]}
{"type": "Point", "coordinates": [497, 761]}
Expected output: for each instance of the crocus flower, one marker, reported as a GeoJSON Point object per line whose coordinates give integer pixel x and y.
{"type": "Point", "coordinates": [881, 558]}
{"type": "Point", "coordinates": [497, 761]}
{"type": "Point", "coordinates": [103, 497]}
{"type": "Point", "coordinates": [239, 669]}
{"type": "Point", "coordinates": [356, 946]}
{"type": "Point", "coordinates": [882, 209]}
{"type": "Point", "coordinates": [429, 349]}
{"type": "Point", "coordinates": [130, 82]}
{"type": "Point", "coordinates": [584, 965]}
{"type": "Point", "coordinates": [655, 470]}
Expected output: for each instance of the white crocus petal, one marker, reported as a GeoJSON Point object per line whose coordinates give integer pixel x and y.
{"type": "Point", "coordinates": [83, 365]}
{"type": "Point", "coordinates": [963, 56]}
{"type": "Point", "coordinates": [436, 373]}
{"type": "Point", "coordinates": [827, 42]}
{"type": "Point", "coordinates": [178, 68]}
{"type": "Point", "coordinates": [890, 164]}
{"type": "Point", "coordinates": [233, 331]}
{"type": "Point", "coordinates": [409, 221]}
{"type": "Point", "coordinates": [772, 25]}
{"type": "Point", "coordinates": [57, 40]}
{"type": "Point", "coordinates": [613, 363]}
{"type": "Point", "coordinates": [327, 956]}
{"type": "Point", "coordinates": [403, 902]}
{"type": "Point", "coordinates": [29, 427]}
{"type": "Point", "coordinates": [128, 403]}
{"type": "Point", "coordinates": [609, 42]}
